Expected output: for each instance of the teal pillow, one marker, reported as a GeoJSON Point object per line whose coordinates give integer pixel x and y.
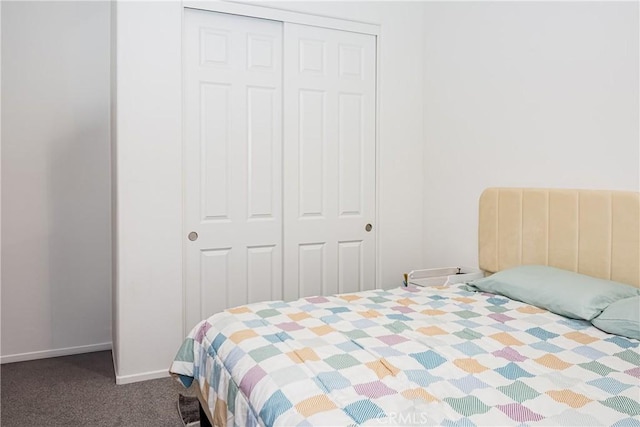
{"type": "Point", "coordinates": [621, 318]}
{"type": "Point", "coordinates": [560, 291]}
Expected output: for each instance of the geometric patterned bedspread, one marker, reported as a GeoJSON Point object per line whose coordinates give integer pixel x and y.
{"type": "Point", "coordinates": [409, 356]}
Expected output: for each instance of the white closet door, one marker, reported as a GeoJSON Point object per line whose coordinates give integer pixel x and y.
{"type": "Point", "coordinates": [329, 161]}
{"type": "Point", "coordinates": [233, 161]}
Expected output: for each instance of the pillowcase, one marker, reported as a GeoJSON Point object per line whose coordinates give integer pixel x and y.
{"type": "Point", "coordinates": [621, 318]}
{"type": "Point", "coordinates": [560, 291]}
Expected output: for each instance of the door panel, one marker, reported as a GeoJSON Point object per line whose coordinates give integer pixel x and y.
{"type": "Point", "coordinates": [215, 150]}
{"type": "Point", "coordinates": [262, 265]}
{"type": "Point", "coordinates": [350, 265]}
{"type": "Point", "coordinates": [311, 269]}
{"type": "Point", "coordinates": [311, 153]}
{"type": "Point", "coordinates": [214, 270]}
{"type": "Point", "coordinates": [232, 161]}
{"type": "Point", "coordinates": [329, 161]}
{"type": "Point", "coordinates": [350, 155]}
{"type": "Point", "coordinates": [262, 109]}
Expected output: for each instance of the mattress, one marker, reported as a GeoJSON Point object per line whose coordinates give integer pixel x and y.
{"type": "Point", "coordinates": [409, 356]}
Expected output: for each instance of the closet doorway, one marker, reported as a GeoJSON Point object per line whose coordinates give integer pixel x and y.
{"type": "Point", "coordinates": [279, 125]}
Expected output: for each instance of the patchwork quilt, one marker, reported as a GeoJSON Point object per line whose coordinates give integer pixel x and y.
{"type": "Point", "coordinates": [409, 356]}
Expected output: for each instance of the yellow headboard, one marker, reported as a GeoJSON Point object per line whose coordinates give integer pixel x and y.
{"type": "Point", "coordinates": [592, 232]}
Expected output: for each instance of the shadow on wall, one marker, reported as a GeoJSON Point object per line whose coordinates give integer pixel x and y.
{"type": "Point", "coordinates": [56, 217]}
{"type": "Point", "coordinates": [80, 236]}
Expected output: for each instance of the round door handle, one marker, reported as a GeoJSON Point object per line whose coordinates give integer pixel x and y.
{"type": "Point", "coordinates": [368, 227]}
{"type": "Point", "coordinates": [193, 236]}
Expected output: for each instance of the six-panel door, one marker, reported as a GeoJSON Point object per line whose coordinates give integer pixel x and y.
{"type": "Point", "coordinates": [233, 161]}
{"type": "Point", "coordinates": [329, 161]}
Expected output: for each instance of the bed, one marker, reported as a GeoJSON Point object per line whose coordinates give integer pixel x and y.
{"type": "Point", "coordinates": [452, 355]}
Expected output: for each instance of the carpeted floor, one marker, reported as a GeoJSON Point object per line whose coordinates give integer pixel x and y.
{"type": "Point", "coordinates": [80, 390]}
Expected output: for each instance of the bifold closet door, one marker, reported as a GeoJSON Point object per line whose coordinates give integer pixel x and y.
{"type": "Point", "coordinates": [232, 69]}
{"type": "Point", "coordinates": [329, 161]}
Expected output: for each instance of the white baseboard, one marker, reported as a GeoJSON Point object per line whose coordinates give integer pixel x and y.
{"type": "Point", "coordinates": [45, 354]}
{"type": "Point", "coordinates": [134, 378]}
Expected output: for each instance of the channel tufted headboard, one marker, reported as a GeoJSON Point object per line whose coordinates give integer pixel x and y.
{"type": "Point", "coordinates": [592, 232]}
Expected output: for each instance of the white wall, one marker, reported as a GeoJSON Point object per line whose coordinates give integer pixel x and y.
{"type": "Point", "coordinates": [149, 277]}
{"type": "Point", "coordinates": [532, 94]}
{"type": "Point", "coordinates": [56, 263]}
{"type": "Point", "coordinates": [148, 281]}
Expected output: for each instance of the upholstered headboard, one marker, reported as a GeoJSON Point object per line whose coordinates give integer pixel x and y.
{"type": "Point", "coordinates": [592, 232]}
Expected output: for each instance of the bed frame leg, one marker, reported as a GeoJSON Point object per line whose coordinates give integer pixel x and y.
{"type": "Point", "coordinates": [204, 421]}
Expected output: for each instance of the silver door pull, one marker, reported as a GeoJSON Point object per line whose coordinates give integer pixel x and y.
{"type": "Point", "coordinates": [368, 227]}
{"type": "Point", "coordinates": [193, 236]}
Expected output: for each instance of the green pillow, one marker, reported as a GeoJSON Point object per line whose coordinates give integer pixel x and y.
{"type": "Point", "coordinates": [621, 318]}
{"type": "Point", "coordinates": [560, 291]}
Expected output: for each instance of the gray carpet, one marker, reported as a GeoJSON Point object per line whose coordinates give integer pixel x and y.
{"type": "Point", "coordinates": [80, 390]}
{"type": "Point", "coordinates": [189, 410]}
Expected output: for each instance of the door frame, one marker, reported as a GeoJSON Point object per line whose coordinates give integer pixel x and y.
{"type": "Point", "coordinates": [285, 16]}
